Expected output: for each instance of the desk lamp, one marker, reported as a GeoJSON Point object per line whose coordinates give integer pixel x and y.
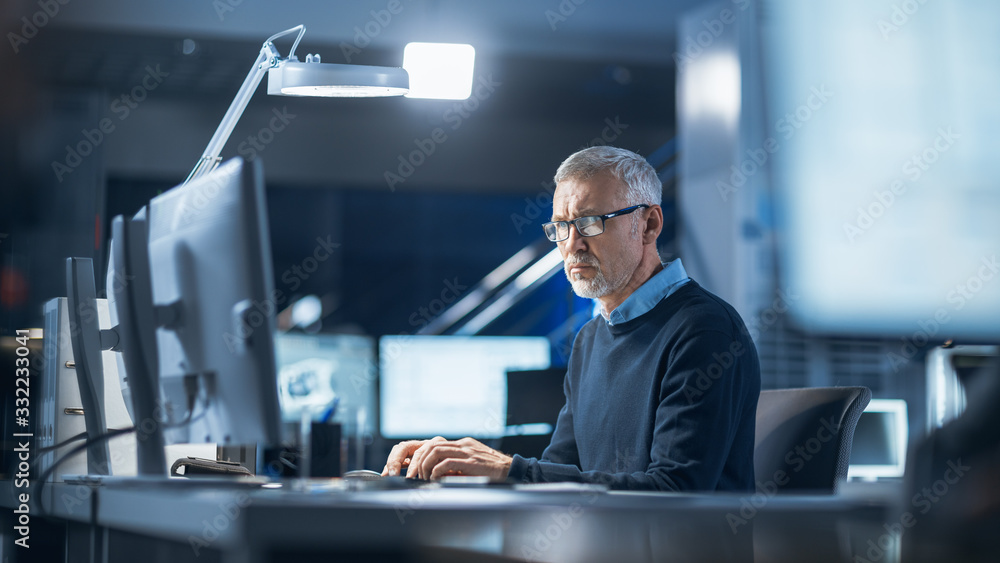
{"type": "Point", "coordinates": [289, 77]}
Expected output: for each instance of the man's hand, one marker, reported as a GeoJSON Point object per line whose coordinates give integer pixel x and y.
{"type": "Point", "coordinates": [402, 453]}
{"type": "Point", "coordinates": [433, 459]}
{"type": "Point", "coordinates": [438, 458]}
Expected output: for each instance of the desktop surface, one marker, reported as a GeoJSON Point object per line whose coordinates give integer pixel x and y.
{"type": "Point", "coordinates": [321, 519]}
{"type": "Point", "coordinates": [567, 523]}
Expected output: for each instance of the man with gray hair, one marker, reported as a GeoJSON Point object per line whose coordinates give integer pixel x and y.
{"type": "Point", "coordinates": [661, 388]}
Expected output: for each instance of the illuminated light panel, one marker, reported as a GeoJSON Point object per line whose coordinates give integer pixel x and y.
{"type": "Point", "coordinates": [441, 71]}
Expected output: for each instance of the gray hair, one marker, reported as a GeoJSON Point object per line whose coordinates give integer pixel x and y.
{"type": "Point", "coordinates": [642, 185]}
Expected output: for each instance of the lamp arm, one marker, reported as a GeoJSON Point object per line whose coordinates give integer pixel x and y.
{"type": "Point", "coordinates": [268, 58]}
{"type": "Point", "coordinates": [302, 31]}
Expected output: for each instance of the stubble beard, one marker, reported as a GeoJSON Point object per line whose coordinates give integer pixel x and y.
{"type": "Point", "coordinates": [597, 286]}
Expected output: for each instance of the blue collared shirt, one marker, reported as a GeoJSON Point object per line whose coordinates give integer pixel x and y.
{"type": "Point", "coordinates": [656, 289]}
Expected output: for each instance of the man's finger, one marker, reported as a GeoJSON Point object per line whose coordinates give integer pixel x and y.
{"type": "Point", "coordinates": [413, 471]}
{"type": "Point", "coordinates": [439, 453]}
{"type": "Point", "coordinates": [398, 455]}
{"type": "Point", "coordinates": [391, 463]}
{"type": "Point", "coordinates": [455, 466]}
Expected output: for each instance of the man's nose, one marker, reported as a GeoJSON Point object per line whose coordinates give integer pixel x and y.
{"type": "Point", "coordinates": [575, 242]}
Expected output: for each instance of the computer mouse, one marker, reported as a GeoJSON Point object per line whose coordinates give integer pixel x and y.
{"type": "Point", "coordinates": [363, 475]}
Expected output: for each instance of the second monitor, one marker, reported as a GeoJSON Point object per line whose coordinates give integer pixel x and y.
{"type": "Point", "coordinates": [451, 386]}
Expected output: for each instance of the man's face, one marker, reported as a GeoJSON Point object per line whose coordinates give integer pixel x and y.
{"type": "Point", "coordinates": [603, 264]}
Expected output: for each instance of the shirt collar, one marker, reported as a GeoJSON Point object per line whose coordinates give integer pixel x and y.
{"type": "Point", "coordinates": [657, 288]}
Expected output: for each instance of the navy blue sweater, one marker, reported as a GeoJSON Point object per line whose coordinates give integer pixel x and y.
{"type": "Point", "coordinates": [666, 401]}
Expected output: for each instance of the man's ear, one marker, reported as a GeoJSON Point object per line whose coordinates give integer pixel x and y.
{"type": "Point", "coordinates": [653, 224]}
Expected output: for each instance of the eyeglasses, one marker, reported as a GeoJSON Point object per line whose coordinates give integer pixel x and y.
{"type": "Point", "coordinates": [589, 226]}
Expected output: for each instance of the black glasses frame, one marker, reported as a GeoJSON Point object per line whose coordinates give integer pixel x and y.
{"type": "Point", "coordinates": [603, 218]}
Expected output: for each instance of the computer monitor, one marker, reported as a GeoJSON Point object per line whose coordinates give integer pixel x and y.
{"type": "Point", "coordinates": [87, 341]}
{"type": "Point", "coordinates": [130, 298]}
{"type": "Point", "coordinates": [879, 448]}
{"type": "Point", "coordinates": [452, 386]}
{"type": "Point", "coordinates": [211, 273]}
{"type": "Point", "coordinates": [317, 370]}
{"type": "Point", "coordinates": [534, 399]}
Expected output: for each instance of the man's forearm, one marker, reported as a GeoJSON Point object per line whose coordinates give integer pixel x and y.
{"type": "Point", "coordinates": [531, 470]}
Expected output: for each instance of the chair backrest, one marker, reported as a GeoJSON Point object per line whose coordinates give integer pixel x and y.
{"type": "Point", "coordinates": [803, 437]}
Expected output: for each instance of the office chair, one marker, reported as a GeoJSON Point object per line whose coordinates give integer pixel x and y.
{"type": "Point", "coordinates": [803, 437]}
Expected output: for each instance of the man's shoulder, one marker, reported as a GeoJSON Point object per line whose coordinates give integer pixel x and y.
{"type": "Point", "coordinates": [694, 308]}
{"type": "Point", "coordinates": [694, 299]}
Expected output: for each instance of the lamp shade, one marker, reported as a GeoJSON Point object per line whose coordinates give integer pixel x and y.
{"type": "Point", "coordinates": [289, 77]}
{"type": "Point", "coordinates": [293, 78]}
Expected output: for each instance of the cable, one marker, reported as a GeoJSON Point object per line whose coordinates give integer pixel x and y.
{"type": "Point", "coordinates": [87, 443]}
{"type": "Point", "coordinates": [187, 420]}
{"type": "Point", "coordinates": [65, 442]}
{"type": "Point", "coordinates": [300, 28]}
{"type": "Point", "coordinates": [190, 386]}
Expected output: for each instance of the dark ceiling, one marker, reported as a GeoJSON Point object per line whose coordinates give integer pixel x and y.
{"type": "Point", "coordinates": [568, 69]}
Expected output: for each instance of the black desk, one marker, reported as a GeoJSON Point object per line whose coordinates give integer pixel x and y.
{"type": "Point", "coordinates": [180, 521]}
